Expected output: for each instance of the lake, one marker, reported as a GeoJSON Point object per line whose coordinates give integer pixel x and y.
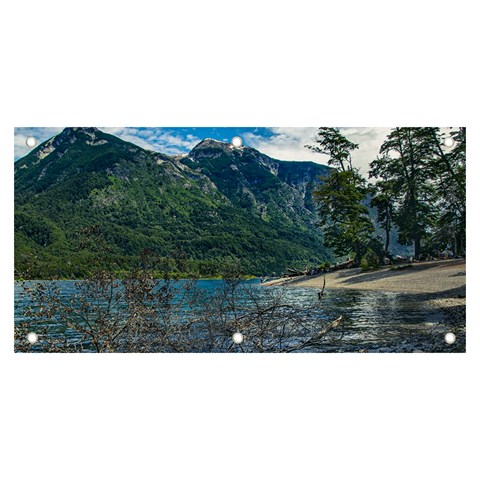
{"type": "Point", "coordinates": [373, 321]}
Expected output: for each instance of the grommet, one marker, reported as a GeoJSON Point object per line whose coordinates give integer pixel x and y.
{"type": "Point", "coordinates": [449, 142]}
{"type": "Point", "coordinates": [237, 338]}
{"type": "Point", "coordinates": [32, 338]}
{"type": "Point", "coordinates": [31, 142]}
{"type": "Point", "coordinates": [237, 142]}
{"type": "Point", "coordinates": [450, 338]}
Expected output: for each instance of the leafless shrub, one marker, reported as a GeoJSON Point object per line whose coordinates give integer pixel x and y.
{"type": "Point", "coordinates": [147, 312]}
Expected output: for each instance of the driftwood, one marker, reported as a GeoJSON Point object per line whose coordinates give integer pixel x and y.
{"type": "Point", "coordinates": [293, 272]}
{"type": "Point", "coordinates": [320, 293]}
{"type": "Point", "coordinates": [341, 266]}
{"type": "Point", "coordinates": [317, 339]}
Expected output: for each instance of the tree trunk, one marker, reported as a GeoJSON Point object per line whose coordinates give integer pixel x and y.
{"type": "Point", "coordinates": [459, 243]}
{"type": "Point", "coordinates": [357, 254]}
{"type": "Point", "coordinates": [417, 251]}
{"type": "Point", "coordinates": [387, 240]}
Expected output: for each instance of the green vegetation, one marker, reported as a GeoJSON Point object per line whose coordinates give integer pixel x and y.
{"type": "Point", "coordinates": [370, 261]}
{"type": "Point", "coordinates": [421, 188]}
{"type": "Point", "coordinates": [215, 204]}
{"type": "Point", "coordinates": [221, 202]}
{"type": "Point", "coordinates": [343, 216]}
{"type": "Point", "coordinates": [419, 194]}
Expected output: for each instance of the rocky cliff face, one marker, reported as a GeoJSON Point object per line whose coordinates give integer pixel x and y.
{"type": "Point", "coordinates": [246, 176]}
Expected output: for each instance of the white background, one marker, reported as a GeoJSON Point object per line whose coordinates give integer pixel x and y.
{"type": "Point", "coordinates": [214, 63]}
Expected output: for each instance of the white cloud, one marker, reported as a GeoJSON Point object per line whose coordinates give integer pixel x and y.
{"type": "Point", "coordinates": [288, 143]}
{"type": "Point", "coordinates": [285, 144]}
{"type": "Point", "coordinates": [369, 140]}
{"type": "Point", "coordinates": [157, 139]}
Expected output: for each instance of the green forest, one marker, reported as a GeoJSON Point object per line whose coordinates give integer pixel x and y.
{"type": "Point", "coordinates": [85, 199]}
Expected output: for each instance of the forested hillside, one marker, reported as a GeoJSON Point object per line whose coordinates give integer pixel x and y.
{"type": "Point", "coordinates": [84, 190]}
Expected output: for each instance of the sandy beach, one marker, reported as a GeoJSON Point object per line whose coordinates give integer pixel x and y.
{"type": "Point", "coordinates": [446, 277]}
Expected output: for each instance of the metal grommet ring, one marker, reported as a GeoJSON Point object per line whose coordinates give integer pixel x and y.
{"type": "Point", "coordinates": [237, 338]}
{"type": "Point", "coordinates": [31, 142]}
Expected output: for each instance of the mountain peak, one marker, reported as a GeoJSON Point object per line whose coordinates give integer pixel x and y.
{"type": "Point", "coordinates": [87, 130]}
{"type": "Point", "coordinates": [211, 142]}
{"type": "Point", "coordinates": [215, 202]}
{"type": "Point", "coordinates": [87, 133]}
{"type": "Point", "coordinates": [61, 142]}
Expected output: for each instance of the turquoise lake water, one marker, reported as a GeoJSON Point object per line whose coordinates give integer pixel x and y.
{"type": "Point", "coordinates": [374, 321]}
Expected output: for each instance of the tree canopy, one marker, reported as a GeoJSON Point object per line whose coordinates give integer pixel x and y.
{"type": "Point", "coordinates": [421, 171]}
{"type": "Point", "coordinates": [418, 190]}
{"type": "Point", "coordinates": [344, 217]}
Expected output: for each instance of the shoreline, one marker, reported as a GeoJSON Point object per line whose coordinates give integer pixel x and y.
{"type": "Point", "coordinates": [61, 279]}
{"type": "Point", "coordinates": [438, 277]}
{"type": "Point", "coordinates": [440, 285]}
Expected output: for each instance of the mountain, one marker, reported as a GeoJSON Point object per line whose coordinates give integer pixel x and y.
{"type": "Point", "coordinates": [214, 203]}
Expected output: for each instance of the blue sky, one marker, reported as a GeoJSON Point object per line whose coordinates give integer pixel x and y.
{"type": "Point", "coordinates": [283, 143]}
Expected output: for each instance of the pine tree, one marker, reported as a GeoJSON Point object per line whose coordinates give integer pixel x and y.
{"type": "Point", "coordinates": [424, 179]}
{"type": "Point", "coordinates": [343, 216]}
{"type": "Point", "coordinates": [402, 168]}
{"type": "Point", "coordinates": [448, 175]}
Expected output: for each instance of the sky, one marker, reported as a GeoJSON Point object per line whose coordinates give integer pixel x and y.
{"type": "Point", "coordinates": [282, 143]}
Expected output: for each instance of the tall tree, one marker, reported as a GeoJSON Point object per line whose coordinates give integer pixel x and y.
{"type": "Point", "coordinates": [343, 216]}
{"type": "Point", "coordinates": [329, 141]}
{"type": "Point", "coordinates": [448, 174]}
{"type": "Point", "coordinates": [382, 200]}
{"type": "Point", "coordinates": [425, 179]}
{"type": "Point", "coordinates": [402, 170]}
